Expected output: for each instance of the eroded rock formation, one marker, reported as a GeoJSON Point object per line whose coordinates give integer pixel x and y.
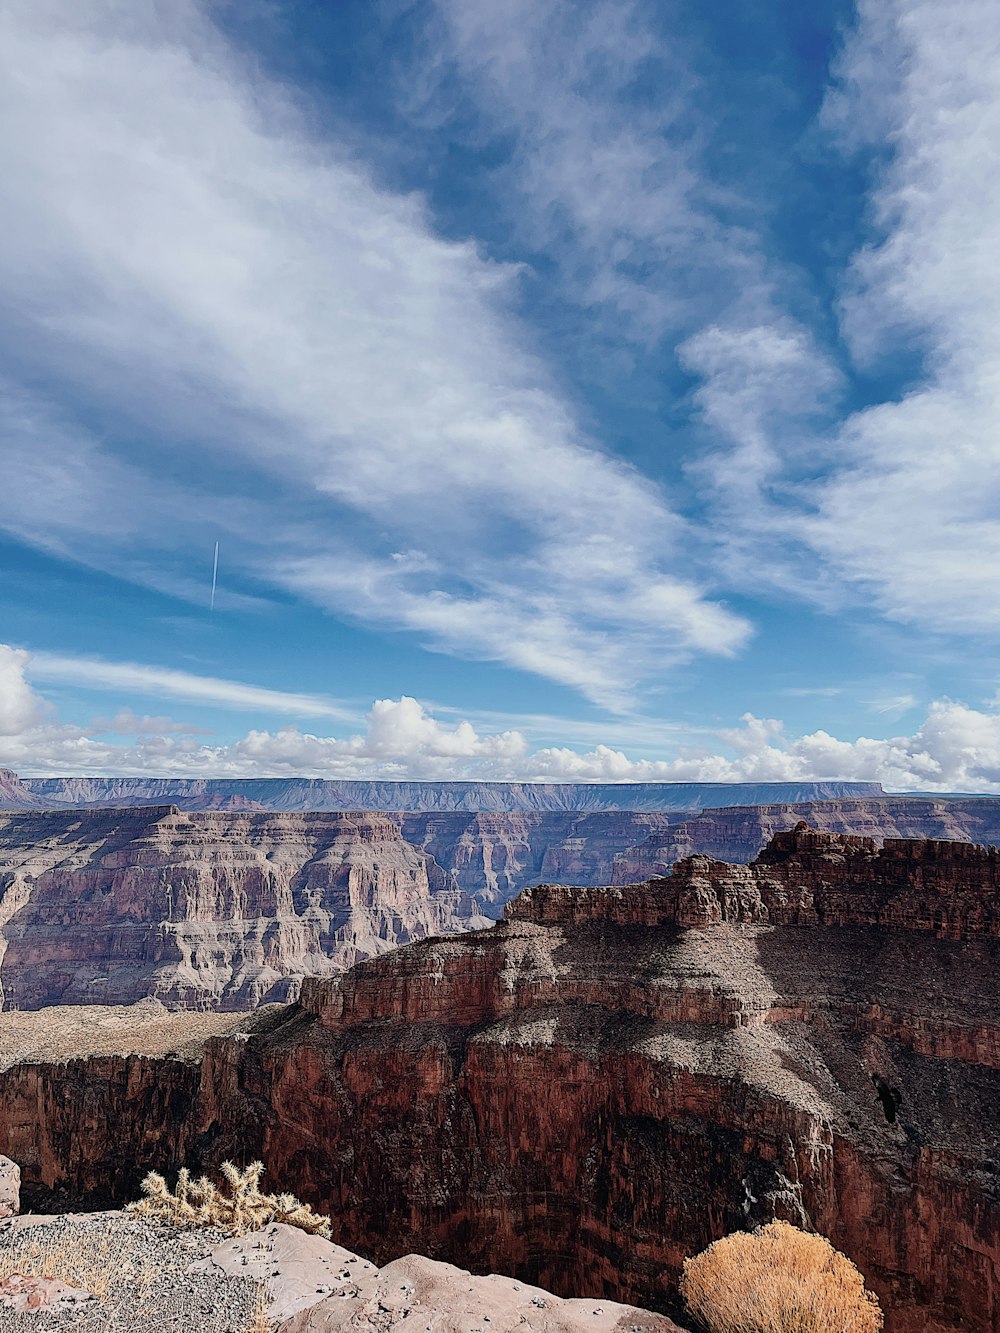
{"type": "Point", "coordinates": [606, 1082]}
{"type": "Point", "coordinates": [494, 856]}
{"type": "Point", "coordinates": [222, 909]}
{"type": "Point", "coordinates": [739, 833]}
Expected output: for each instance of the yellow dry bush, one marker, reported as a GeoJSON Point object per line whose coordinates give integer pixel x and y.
{"type": "Point", "coordinates": [778, 1279]}
{"type": "Point", "coordinates": [237, 1206]}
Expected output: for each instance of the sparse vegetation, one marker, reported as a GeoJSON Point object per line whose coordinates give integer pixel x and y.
{"type": "Point", "coordinates": [237, 1206]}
{"type": "Point", "coordinates": [87, 1260]}
{"type": "Point", "coordinates": [778, 1279]}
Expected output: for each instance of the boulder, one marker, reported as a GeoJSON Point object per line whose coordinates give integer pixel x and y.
{"type": "Point", "coordinates": [10, 1188]}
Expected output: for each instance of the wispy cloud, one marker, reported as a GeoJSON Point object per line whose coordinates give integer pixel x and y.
{"type": "Point", "coordinates": [180, 249]}
{"type": "Point", "coordinates": [911, 514]}
{"type": "Point", "coordinates": [608, 182]}
{"type": "Point", "coordinates": [895, 506]}
{"type": "Point", "coordinates": [165, 683]}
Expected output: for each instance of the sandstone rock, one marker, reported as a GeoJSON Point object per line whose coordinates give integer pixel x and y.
{"type": "Point", "coordinates": [419, 1293]}
{"type": "Point", "coordinates": [10, 1188]}
{"type": "Point", "coordinates": [297, 1269]}
{"type": "Point", "coordinates": [29, 1294]}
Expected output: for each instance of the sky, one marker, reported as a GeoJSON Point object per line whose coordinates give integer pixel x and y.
{"type": "Point", "coordinates": [602, 390]}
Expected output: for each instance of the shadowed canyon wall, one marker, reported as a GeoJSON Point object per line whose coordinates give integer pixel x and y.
{"type": "Point", "coordinates": [605, 1082]}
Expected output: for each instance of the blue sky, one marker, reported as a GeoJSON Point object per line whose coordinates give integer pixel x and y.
{"type": "Point", "coordinates": [576, 391]}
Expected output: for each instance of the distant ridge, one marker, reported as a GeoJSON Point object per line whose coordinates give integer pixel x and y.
{"type": "Point", "coordinates": [298, 794]}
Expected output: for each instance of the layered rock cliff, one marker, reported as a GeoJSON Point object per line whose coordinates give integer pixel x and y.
{"type": "Point", "coordinates": [221, 909]}
{"type": "Point", "coordinates": [605, 1082]}
{"type": "Point", "coordinates": [494, 856]}
{"type": "Point", "coordinates": [740, 832]}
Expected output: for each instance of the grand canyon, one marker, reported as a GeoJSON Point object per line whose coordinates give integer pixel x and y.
{"type": "Point", "coordinates": [580, 1094]}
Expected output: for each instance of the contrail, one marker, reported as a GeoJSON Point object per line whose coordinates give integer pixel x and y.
{"type": "Point", "coordinates": [215, 575]}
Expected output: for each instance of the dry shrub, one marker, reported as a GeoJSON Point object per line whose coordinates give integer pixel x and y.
{"type": "Point", "coordinates": [778, 1279]}
{"type": "Point", "coordinates": [238, 1206]}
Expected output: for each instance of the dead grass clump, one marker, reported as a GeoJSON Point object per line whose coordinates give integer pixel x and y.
{"type": "Point", "coordinates": [90, 1261]}
{"type": "Point", "coordinates": [778, 1279]}
{"type": "Point", "coordinates": [238, 1206]}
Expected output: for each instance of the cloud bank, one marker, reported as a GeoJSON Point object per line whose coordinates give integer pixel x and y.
{"type": "Point", "coordinates": [956, 748]}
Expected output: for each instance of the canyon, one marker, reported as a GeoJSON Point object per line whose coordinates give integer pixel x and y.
{"type": "Point", "coordinates": [218, 909]}
{"type": "Point", "coordinates": [600, 1084]}
{"type": "Point", "coordinates": [233, 908]}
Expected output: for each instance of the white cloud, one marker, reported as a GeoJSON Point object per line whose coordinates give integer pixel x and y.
{"type": "Point", "coordinates": [179, 248]}
{"type": "Point", "coordinates": [20, 706]}
{"type": "Point", "coordinates": [606, 181]}
{"type": "Point", "coordinates": [897, 506]}
{"type": "Point", "coordinates": [913, 514]}
{"type": "Point", "coordinates": [956, 748]}
{"type": "Point", "coordinates": [164, 682]}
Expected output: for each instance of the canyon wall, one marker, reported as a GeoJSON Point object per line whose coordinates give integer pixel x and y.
{"type": "Point", "coordinates": [220, 909]}
{"type": "Point", "coordinates": [494, 856]}
{"type": "Point", "coordinates": [740, 832]}
{"type": "Point", "coordinates": [606, 1081]}
{"type": "Point", "coordinates": [299, 794]}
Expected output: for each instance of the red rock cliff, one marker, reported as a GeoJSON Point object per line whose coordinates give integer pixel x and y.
{"type": "Point", "coordinates": [585, 1097]}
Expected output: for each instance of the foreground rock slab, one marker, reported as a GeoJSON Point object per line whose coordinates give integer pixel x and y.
{"type": "Point", "coordinates": [431, 1297]}
{"type": "Point", "coordinates": [145, 1277]}
{"type": "Point", "coordinates": [23, 1294]}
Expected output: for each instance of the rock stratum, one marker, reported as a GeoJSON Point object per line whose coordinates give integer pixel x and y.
{"type": "Point", "coordinates": [298, 794]}
{"type": "Point", "coordinates": [232, 908]}
{"type": "Point", "coordinates": [740, 833]}
{"type": "Point", "coordinates": [218, 909]}
{"type": "Point", "coordinates": [598, 1086]}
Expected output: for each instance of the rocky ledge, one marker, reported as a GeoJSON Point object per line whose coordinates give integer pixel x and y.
{"type": "Point", "coordinates": [144, 1277]}
{"type": "Point", "coordinates": [603, 1084]}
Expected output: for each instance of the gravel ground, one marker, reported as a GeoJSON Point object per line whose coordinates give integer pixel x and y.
{"type": "Point", "coordinates": [140, 1272]}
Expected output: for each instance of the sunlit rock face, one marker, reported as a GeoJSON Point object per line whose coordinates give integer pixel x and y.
{"type": "Point", "coordinates": [220, 909]}
{"type": "Point", "coordinates": [602, 1084]}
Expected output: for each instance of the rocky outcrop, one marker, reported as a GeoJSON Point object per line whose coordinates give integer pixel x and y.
{"type": "Point", "coordinates": [605, 1082]}
{"type": "Point", "coordinates": [14, 795]}
{"type": "Point", "coordinates": [300, 794]}
{"type": "Point", "coordinates": [10, 1188]}
{"type": "Point", "coordinates": [740, 832]}
{"type": "Point", "coordinates": [221, 909]}
{"type": "Point", "coordinates": [802, 877]}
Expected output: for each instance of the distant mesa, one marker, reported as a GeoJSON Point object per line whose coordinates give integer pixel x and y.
{"type": "Point", "coordinates": [322, 794]}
